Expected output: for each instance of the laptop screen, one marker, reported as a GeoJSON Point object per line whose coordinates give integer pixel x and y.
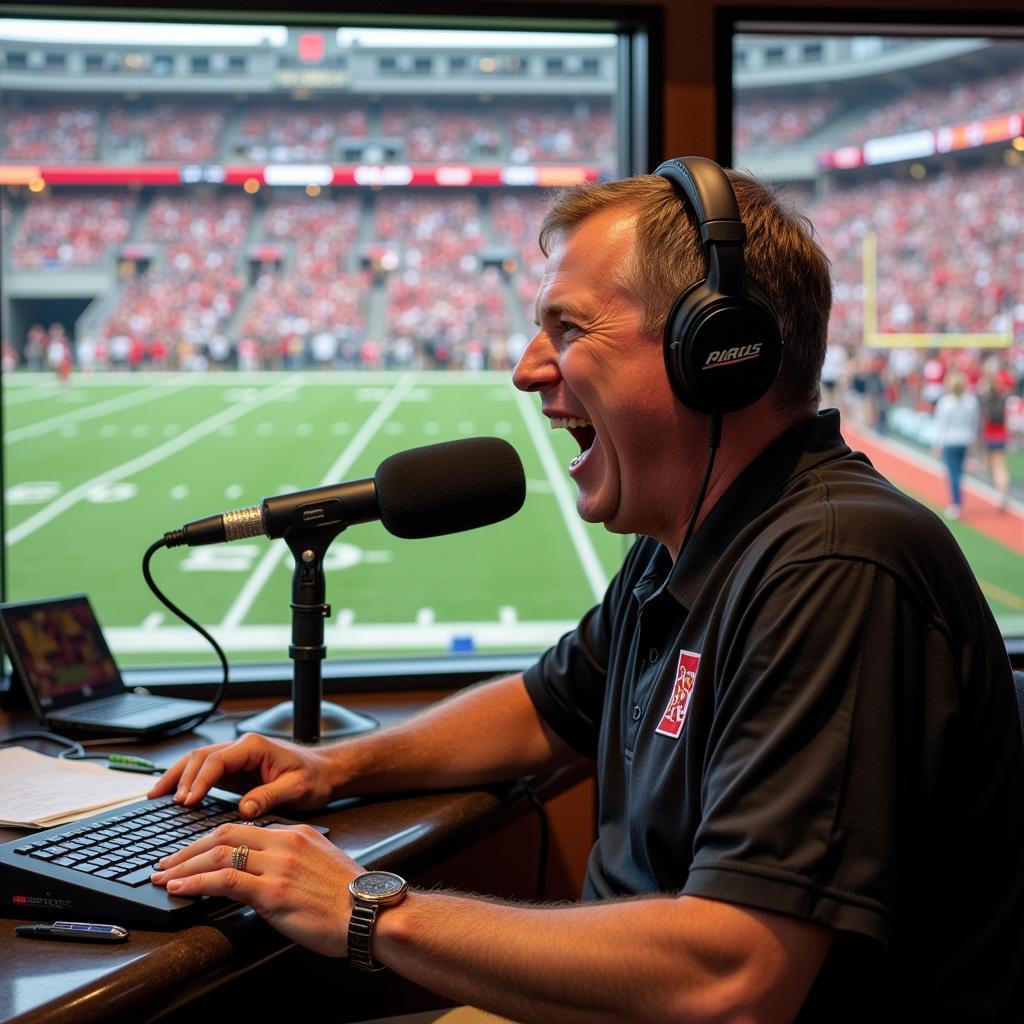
{"type": "Point", "coordinates": [58, 649]}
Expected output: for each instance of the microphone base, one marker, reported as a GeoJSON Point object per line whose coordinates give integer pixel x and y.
{"type": "Point", "coordinates": [335, 722]}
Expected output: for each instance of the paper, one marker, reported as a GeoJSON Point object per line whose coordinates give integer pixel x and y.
{"type": "Point", "coordinates": [37, 791]}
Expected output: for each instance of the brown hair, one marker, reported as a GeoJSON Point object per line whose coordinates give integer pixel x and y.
{"type": "Point", "coordinates": [781, 257]}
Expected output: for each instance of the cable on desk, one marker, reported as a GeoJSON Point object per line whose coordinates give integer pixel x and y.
{"type": "Point", "coordinates": [166, 601]}
{"type": "Point", "coordinates": [71, 747]}
{"type": "Point", "coordinates": [543, 841]}
{"type": "Point", "coordinates": [74, 750]}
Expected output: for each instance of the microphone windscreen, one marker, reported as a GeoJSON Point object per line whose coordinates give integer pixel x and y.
{"type": "Point", "coordinates": [450, 487]}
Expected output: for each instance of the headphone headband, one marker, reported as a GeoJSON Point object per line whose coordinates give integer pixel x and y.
{"type": "Point", "coordinates": [710, 193]}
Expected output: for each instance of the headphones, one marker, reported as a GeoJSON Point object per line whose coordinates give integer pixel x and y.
{"type": "Point", "coordinates": [722, 342]}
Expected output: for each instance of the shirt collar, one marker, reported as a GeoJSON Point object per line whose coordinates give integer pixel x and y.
{"type": "Point", "coordinates": [809, 444]}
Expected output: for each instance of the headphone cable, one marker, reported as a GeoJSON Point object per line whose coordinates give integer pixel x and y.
{"type": "Point", "coordinates": [714, 440]}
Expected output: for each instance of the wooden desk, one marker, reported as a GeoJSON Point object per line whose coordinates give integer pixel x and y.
{"type": "Point", "coordinates": [485, 841]}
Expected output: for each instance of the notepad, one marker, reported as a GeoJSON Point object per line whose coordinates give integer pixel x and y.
{"type": "Point", "coordinates": [37, 791]}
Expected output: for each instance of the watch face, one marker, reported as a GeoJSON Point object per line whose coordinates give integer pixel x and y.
{"type": "Point", "coordinates": [377, 885]}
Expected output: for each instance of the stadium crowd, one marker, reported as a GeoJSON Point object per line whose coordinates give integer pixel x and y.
{"type": "Point", "coordinates": [175, 311]}
{"type": "Point", "coordinates": [61, 132]}
{"type": "Point", "coordinates": [526, 131]}
{"type": "Point", "coordinates": [315, 311]}
{"type": "Point", "coordinates": [956, 273]}
{"type": "Point", "coordinates": [164, 131]}
{"type": "Point", "coordinates": [944, 105]}
{"type": "Point", "coordinates": [71, 231]}
{"type": "Point", "coordinates": [442, 304]}
{"type": "Point", "coordinates": [436, 133]}
{"type": "Point", "coordinates": [278, 133]}
{"type": "Point", "coordinates": [761, 122]}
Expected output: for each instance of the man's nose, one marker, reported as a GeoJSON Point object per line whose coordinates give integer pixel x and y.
{"type": "Point", "coordinates": [538, 366]}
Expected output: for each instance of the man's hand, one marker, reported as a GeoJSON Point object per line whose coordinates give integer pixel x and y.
{"type": "Point", "coordinates": [294, 878]}
{"type": "Point", "coordinates": [267, 773]}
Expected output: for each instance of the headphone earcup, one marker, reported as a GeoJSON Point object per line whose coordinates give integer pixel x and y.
{"type": "Point", "coordinates": [722, 353]}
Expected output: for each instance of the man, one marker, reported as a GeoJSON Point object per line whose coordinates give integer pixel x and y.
{"type": "Point", "coordinates": [811, 773]}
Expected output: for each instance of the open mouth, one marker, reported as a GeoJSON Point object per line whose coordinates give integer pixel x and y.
{"type": "Point", "coordinates": [582, 432]}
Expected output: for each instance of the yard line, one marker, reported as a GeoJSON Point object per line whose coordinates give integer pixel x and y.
{"type": "Point", "coordinates": [92, 411]}
{"type": "Point", "coordinates": [556, 474]}
{"type": "Point", "coordinates": [28, 392]}
{"type": "Point", "coordinates": [150, 458]}
{"type": "Point", "coordinates": [268, 563]}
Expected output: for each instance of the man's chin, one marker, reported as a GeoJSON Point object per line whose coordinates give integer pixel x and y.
{"type": "Point", "coordinates": [588, 511]}
{"type": "Point", "coordinates": [594, 510]}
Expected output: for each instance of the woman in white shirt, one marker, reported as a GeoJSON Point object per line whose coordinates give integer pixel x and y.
{"type": "Point", "coordinates": [956, 430]}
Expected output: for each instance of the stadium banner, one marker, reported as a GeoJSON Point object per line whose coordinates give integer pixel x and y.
{"type": "Point", "coordinates": [300, 175]}
{"type": "Point", "coordinates": [924, 143]}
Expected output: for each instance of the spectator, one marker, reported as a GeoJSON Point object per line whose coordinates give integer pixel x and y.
{"type": "Point", "coordinates": [956, 430]}
{"type": "Point", "coordinates": [993, 393]}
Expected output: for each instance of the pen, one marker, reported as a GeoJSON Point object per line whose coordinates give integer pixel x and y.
{"type": "Point", "coordinates": [81, 931]}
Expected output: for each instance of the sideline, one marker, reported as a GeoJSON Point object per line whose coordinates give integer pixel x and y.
{"type": "Point", "coordinates": [89, 412]}
{"type": "Point", "coordinates": [496, 635]}
{"type": "Point", "coordinates": [925, 477]}
{"type": "Point", "coordinates": [22, 393]}
{"type": "Point", "coordinates": [540, 436]}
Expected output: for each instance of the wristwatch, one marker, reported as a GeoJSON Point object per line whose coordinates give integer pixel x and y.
{"type": "Point", "coordinates": [370, 891]}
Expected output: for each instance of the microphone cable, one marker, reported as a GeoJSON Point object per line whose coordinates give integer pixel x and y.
{"type": "Point", "coordinates": [714, 440]}
{"type": "Point", "coordinates": [168, 603]}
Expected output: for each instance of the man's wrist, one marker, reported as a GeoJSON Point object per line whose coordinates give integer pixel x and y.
{"type": "Point", "coordinates": [372, 893]}
{"type": "Point", "coordinates": [340, 768]}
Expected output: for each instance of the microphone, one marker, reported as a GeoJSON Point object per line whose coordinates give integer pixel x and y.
{"type": "Point", "coordinates": [425, 492]}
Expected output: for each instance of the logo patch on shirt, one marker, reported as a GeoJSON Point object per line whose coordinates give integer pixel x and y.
{"type": "Point", "coordinates": [672, 720]}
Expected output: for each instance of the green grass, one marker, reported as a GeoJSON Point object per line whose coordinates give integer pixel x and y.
{"type": "Point", "coordinates": [98, 471]}
{"type": "Point", "coordinates": [197, 445]}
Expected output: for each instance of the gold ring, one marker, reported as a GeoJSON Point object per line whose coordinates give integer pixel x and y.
{"type": "Point", "coordinates": [239, 857]}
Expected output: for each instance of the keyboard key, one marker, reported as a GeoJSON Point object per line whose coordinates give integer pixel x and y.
{"type": "Point", "coordinates": [138, 877]}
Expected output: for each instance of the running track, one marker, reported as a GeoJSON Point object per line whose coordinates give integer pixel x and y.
{"type": "Point", "coordinates": [926, 478]}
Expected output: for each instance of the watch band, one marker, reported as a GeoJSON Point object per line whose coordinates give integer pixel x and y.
{"type": "Point", "coordinates": [360, 934]}
{"type": "Point", "coordinates": [370, 891]}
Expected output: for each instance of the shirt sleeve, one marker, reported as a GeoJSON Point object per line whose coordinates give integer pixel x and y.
{"type": "Point", "coordinates": [812, 788]}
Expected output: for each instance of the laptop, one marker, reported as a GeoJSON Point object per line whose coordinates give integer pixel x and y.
{"type": "Point", "coordinates": [58, 652]}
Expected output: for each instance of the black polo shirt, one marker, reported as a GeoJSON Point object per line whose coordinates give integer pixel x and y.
{"type": "Point", "coordinates": [812, 713]}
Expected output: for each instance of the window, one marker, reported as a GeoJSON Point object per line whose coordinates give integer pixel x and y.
{"type": "Point", "coordinates": [214, 297]}
{"type": "Point", "coordinates": [905, 149]}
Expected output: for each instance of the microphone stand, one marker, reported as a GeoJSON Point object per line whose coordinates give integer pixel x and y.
{"type": "Point", "coordinates": [306, 719]}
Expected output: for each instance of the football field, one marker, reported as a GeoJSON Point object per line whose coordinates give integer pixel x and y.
{"type": "Point", "coordinates": [99, 469]}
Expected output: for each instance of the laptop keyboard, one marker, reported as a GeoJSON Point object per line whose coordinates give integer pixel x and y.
{"type": "Point", "coordinates": [119, 704]}
{"type": "Point", "coordinates": [125, 848]}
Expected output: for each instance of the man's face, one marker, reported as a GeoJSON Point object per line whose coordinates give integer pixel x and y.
{"type": "Point", "coordinates": [603, 378]}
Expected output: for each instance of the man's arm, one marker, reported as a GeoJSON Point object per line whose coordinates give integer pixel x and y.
{"type": "Point", "coordinates": [487, 733]}
{"type": "Point", "coordinates": [659, 959]}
